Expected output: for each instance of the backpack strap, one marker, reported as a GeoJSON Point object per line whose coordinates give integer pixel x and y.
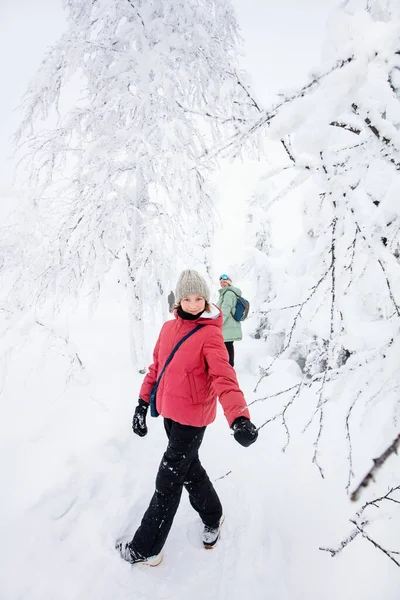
{"type": "Point", "coordinates": [237, 295]}
{"type": "Point", "coordinates": [153, 393]}
{"type": "Point", "coordinates": [237, 298]}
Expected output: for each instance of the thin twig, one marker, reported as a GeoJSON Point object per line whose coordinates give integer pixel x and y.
{"type": "Point", "coordinates": [223, 476]}
{"type": "Point", "coordinates": [388, 553]}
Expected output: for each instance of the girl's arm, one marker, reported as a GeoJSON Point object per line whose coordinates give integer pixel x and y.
{"type": "Point", "coordinates": [151, 376]}
{"type": "Point", "coordinates": [223, 378]}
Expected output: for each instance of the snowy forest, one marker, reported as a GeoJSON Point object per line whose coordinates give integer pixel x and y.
{"type": "Point", "coordinates": [124, 131]}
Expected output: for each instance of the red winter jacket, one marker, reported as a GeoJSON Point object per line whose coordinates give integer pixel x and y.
{"type": "Point", "coordinates": [197, 374]}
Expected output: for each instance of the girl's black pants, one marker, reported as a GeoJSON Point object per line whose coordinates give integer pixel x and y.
{"type": "Point", "coordinates": [231, 352]}
{"type": "Point", "coordinates": [180, 467]}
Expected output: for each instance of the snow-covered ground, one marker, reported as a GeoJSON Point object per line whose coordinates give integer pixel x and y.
{"type": "Point", "coordinates": [74, 477]}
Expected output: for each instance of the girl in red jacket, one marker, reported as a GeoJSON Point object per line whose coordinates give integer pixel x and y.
{"type": "Point", "coordinates": [186, 397]}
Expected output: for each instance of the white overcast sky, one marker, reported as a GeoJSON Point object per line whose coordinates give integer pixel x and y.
{"type": "Point", "coordinates": [282, 43]}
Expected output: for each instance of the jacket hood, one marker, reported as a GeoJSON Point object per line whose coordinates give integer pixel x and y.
{"type": "Point", "coordinates": [214, 317]}
{"type": "Point", "coordinates": [232, 288]}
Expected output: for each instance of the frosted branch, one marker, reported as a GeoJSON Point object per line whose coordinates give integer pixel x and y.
{"type": "Point", "coordinates": [378, 462]}
{"type": "Point", "coordinates": [361, 525]}
{"type": "Point", "coordinates": [389, 553]}
{"type": "Point", "coordinates": [281, 415]}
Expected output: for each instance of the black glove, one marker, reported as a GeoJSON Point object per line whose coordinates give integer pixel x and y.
{"type": "Point", "coordinates": [244, 431]}
{"type": "Point", "coordinates": [139, 418]}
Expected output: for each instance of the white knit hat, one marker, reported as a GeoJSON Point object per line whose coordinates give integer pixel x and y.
{"type": "Point", "coordinates": [191, 282]}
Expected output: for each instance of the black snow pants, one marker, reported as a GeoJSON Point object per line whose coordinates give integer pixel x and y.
{"type": "Point", "coordinates": [180, 466]}
{"type": "Point", "coordinates": [231, 352]}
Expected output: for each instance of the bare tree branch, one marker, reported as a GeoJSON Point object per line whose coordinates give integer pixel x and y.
{"type": "Point", "coordinates": [250, 97]}
{"type": "Point", "coordinates": [382, 266]}
{"type": "Point", "coordinates": [349, 442]}
{"type": "Point", "coordinates": [388, 553]}
{"type": "Point", "coordinates": [282, 415]}
{"type": "Point", "coordinates": [287, 149]}
{"type": "Point", "coordinates": [343, 544]}
{"type": "Point", "coordinates": [378, 462]}
{"type": "Point", "coordinates": [360, 526]}
{"type": "Point", "coordinates": [223, 476]}
{"type": "Point", "coordinates": [293, 387]}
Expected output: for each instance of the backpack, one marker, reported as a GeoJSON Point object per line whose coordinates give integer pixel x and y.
{"type": "Point", "coordinates": [241, 309]}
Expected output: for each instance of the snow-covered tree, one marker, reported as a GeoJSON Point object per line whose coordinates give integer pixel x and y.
{"type": "Point", "coordinates": [116, 126]}
{"type": "Point", "coordinates": [336, 302]}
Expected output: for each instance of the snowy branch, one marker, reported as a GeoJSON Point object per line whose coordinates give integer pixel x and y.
{"type": "Point", "coordinates": [360, 527]}
{"type": "Point", "coordinates": [343, 544]}
{"type": "Point", "coordinates": [382, 138]}
{"type": "Point", "coordinates": [281, 415]}
{"type": "Point", "coordinates": [241, 137]}
{"type": "Point", "coordinates": [378, 462]}
{"type": "Point", "coordinates": [349, 442]}
{"type": "Point", "coordinates": [388, 553]}
{"type": "Point", "coordinates": [346, 126]}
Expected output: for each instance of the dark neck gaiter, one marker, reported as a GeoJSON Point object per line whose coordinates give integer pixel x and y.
{"type": "Point", "coordinates": [188, 316]}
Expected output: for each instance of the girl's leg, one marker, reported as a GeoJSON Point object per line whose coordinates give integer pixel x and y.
{"type": "Point", "coordinates": [183, 445]}
{"type": "Point", "coordinates": [231, 352]}
{"type": "Point", "coordinates": [202, 494]}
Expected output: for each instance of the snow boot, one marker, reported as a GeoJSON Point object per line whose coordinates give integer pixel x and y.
{"type": "Point", "coordinates": [211, 534]}
{"type": "Point", "coordinates": [134, 558]}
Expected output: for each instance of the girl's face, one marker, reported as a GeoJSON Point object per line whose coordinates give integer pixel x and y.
{"type": "Point", "coordinates": [193, 304]}
{"type": "Point", "coordinates": [223, 283]}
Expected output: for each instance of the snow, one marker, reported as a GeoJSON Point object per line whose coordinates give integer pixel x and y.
{"type": "Point", "coordinates": [74, 478]}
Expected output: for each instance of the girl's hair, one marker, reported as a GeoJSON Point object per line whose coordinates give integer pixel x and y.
{"type": "Point", "coordinates": [207, 307]}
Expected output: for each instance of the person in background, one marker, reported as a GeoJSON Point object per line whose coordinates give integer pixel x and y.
{"type": "Point", "coordinates": [171, 301]}
{"type": "Point", "coordinates": [231, 329]}
{"type": "Point", "coordinates": [187, 399]}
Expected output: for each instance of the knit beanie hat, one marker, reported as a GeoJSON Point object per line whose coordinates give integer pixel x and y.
{"type": "Point", "coordinates": [191, 282]}
{"type": "Point", "coordinates": [225, 277]}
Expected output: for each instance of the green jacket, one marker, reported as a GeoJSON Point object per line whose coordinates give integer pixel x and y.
{"type": "Point", "coordinates": [231, 329]}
